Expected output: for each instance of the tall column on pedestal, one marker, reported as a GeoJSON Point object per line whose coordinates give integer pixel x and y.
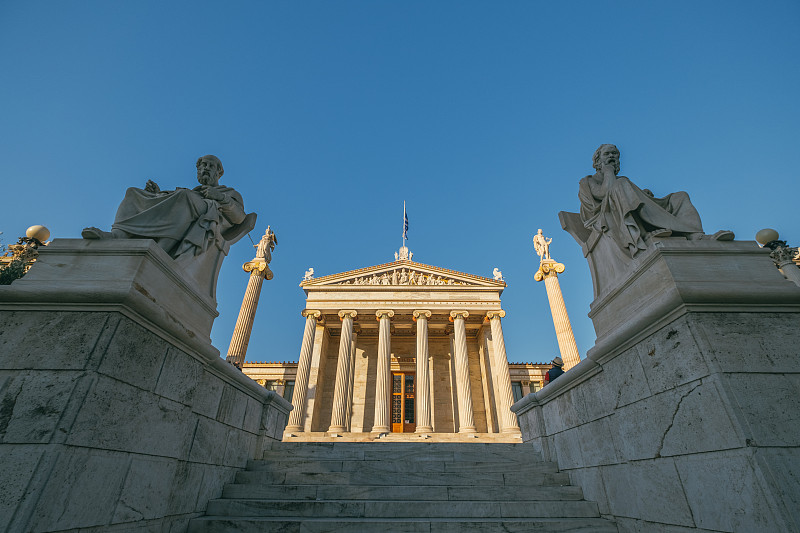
{"type": "Point", "coordinates": [259, 270]}
{"type": "Point", "coordinates": [548, 271]}
{"type": "Point", "coordinates": [297, 415]}
{"type": "Point", "coordinates": [338, 422]}
{"type": "Point", "coordinates": [383, 382]}
{"type": "Point", "coordinates": [508, 420]}
{"type": "Point", "coordinates": [423, 392]}
{"type": "Point", "coordinates": [466, 423]}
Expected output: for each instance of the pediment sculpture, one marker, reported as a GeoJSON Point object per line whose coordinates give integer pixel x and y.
{"type": "Point", "coordinates": [401, 276]}
{"type": "Point", "coordinates": [196, 227]}
{"type": "Point", "coordinates": [618, 220]}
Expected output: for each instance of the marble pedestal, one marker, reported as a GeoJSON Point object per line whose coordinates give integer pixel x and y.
{"type": "Point", "coordinates": [117, 413]}
{"type": "Point", "coordinates": [684, 415]}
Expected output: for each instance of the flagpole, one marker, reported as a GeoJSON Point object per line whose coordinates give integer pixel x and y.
{"type": "Point", "coordinates": [404, 223]}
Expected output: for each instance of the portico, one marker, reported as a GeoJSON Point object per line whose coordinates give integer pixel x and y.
{"type": "Point", "coordinates": [402, 347]}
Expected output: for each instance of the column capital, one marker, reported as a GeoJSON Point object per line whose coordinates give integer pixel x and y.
{"type": "Point", "coordinates": [305, 313]}
{"type": "Point", "coordinates": [258, 266]}
{"type": "Point", "coordinates": [499, 313]}
{"type": "Point", "coordinates": [383, 312]}
{"type": "Point", "coordinates": [547, 268]}
{"type": "Point", "coordinates": [458, 314]}
{"type": "Point", "coordinates": [421, 312]}
{"type": "Point", "coordinates": [347, 312]}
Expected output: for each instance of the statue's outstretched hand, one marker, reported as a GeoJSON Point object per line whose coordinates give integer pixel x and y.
{"type": "Point", "coordinates": [152, 186]}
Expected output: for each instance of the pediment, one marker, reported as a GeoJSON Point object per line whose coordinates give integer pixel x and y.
{"type": "Point", "coordinates": [404, 273]}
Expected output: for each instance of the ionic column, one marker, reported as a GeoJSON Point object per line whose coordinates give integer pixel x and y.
{"type": "Point", "coordinates": [423, 393]}
{"type": "Point", "coordinates": [505, 398]}
{"type": "Point", "coordinates": [548, 271]}
{"type": "Point", "coordinates": [466, 424]}
{"type": "Point", "coordinates": [297, 414]}
{"type": "Point", "coordinates": [383, 382]}
{"type": "Point", "coordinates": [259, 270]}
{"type": "Point", "coordinates": [342, 373]}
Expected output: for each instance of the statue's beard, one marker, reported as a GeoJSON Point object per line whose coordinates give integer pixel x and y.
{"type": "Point", "coordinates": [614, 165]}
{"type": "Point", "coordinates": [206, 179]}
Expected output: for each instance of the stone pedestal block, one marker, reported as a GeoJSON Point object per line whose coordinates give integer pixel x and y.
{"type": "Point", "coordinates": [117, 413]}
{"type": "Point", "coordinates": [685, 413]}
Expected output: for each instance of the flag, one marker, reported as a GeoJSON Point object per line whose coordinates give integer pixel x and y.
{"type": "Point", "coordinates": [405, 223]}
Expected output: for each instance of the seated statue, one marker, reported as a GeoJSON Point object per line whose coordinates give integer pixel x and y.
{"type": "Point", "coordinates": [618, 220]}
{"type": "Point", "coordinates": [614, 205]}
{"type": "Point", "coordinates": [194, 226]}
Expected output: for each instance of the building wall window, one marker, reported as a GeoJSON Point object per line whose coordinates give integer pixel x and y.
{"type": "Point", "coordinates": [271, 384]}
{"type": "Point", "coordinates": [516, 390]}
{"type": "Point", "coordinates": [288, 391]}
{"type": "Point", "coordinates": [535, 386]}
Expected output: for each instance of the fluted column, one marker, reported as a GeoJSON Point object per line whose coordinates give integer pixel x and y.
{"type": "Point", "coordinates": [548, 271]}
{"type": "Point", "coordinates": [505, 398]}
{"type": "Point", "coordinates": [339, 411]}
{"type": "Point", "coordinates": [244, 324]}
{"type": "Point", "coordinates": [466, 423]}
{"type": "Point", "coordinates": [383, 382]}
{"type": "Point", "coordinates": [423, 392]}
{"type": "Point", "coordinates": [298, 413]}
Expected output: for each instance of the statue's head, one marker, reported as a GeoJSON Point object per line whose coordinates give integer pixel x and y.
{"type": "Point", "coordinates": [209, 170]}
{"type": "Point", "coordinates": [607, 154]}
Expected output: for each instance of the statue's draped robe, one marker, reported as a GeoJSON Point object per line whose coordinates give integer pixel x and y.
{"type": "Point", "coordinates": [184, 215]}
{"type": "Point", "coordinates": [626, 211]}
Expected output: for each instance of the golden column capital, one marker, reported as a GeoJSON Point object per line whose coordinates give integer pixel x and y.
{"type": "Point", "coordinates": [421, 312]}
{"type": "Point", "coordinates": [458, 314]}
{"type": "Point", "coordinates": [305, 313]}
{"type": "Point", "coordinates": [499, 313]}
{"type": "Point", "coordinates": [347, 313]}
{"type": "Point", "coordinates": [388, 313]}
{"type": "Point", "coordinates": [547, 268]}
{"type": "Point", "coordinates": [258, 266]}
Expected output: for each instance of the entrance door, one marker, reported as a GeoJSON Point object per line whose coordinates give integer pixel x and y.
{"type": "Point", "coordinates": [403, 420]}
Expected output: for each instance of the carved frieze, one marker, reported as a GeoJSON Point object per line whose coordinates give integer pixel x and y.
{"type": "Point", "coordinates": [402, 276]}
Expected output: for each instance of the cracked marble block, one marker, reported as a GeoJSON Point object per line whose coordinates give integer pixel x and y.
{"type": "Point", "coordinates": [690, 394]}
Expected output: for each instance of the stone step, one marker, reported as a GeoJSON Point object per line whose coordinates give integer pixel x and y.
{"type": "Point", "coordinates": [378, 453]}
{"type": "Point", "coordinates": [402, 509]}
{"type": "Point", "coordinates": [214, 524]}
{"type": "Point", "coordinates": [283, 445]}
{"type": "Point", "coordinates": [326, 465]}
{"type": "Point", "coordinates": [401, 478]}
{"type": "Point", "coordinates": [400, 492]}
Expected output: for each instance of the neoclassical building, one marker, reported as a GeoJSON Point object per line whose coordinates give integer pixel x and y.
{"type": "Point", "coordinates": [401, 347]}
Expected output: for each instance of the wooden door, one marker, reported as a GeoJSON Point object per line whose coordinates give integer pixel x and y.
{"type": "Point", "coordinates": [403, 420]}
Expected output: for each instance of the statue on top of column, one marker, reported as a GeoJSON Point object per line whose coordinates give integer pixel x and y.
{"type": "Point", "coordinates": [542, 245]}
{"type": "Point", "coordinates": [266, 245]}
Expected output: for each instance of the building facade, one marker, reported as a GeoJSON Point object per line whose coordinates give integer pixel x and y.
{"type": "Point", "coordinates": [401, 348]}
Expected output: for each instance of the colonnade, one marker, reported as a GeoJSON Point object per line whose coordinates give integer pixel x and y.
{"type": "Point", "coordinates": [383, 384]}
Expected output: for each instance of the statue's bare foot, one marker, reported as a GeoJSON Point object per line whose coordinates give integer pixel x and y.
{"type": "Point", "coordinates": [723, 235]}
{"type": "Point", "coordinates": [95, 233]}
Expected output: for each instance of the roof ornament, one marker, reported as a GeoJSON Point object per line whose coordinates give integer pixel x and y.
{"type": "Point", "coordinates": [309, 274]}
{"type": "Point", "coordinates": [498, 274]}
{"type": "Point", "coordinates": [403, 254]}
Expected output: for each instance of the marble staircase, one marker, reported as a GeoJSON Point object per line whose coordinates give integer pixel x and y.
{"type": "Point", "coordinates": [401, 487]}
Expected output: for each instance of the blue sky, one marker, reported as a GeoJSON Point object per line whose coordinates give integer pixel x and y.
{"type": "Point", "coordinates": [482, 116]}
